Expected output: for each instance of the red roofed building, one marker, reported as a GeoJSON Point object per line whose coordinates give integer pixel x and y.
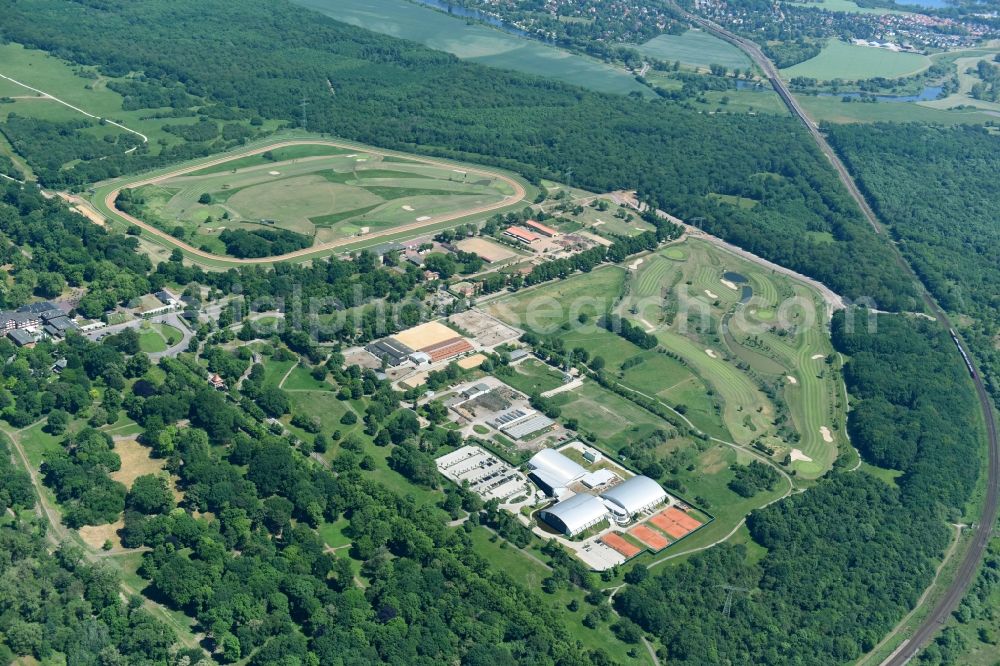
{"type": "Point", "coordinates": [542, 229]}
{"type": "Point", "coordinates": [523, 235]}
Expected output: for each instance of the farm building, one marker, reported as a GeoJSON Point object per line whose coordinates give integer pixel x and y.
{"type": "Point", "coordinates": [633, 496]}
{"type": "Point", "coordinates": [554, 472]}
{"type": "Point", "coordinates": [541, 228]}
{"type": "Point", "coordinates": [575, 514]}
{"type": "Point", "coordinates": [523, 235]}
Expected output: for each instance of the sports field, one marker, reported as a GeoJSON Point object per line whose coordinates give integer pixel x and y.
{"type": "Point", "coordinates": [840, 60]}
{"type": "Point", "coordinates": [695, 48]}
{"type": "Point", "coordinates": [742, 351]}
{"type": "Point", "coordinates": [332, 194]}
{"type": "Point", "coordinates": [773, 343]}
{"type": "Point", "coordinates": [325, 197]}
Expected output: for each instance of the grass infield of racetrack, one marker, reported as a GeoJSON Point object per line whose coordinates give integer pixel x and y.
{"type": "Point", "coordinates": [104, 195]}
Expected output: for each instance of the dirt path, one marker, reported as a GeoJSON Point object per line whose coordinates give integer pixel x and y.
{"type": "Point", "coordinates": [58, 534]}
{"type": "Point", "coordinates": [109, 202]}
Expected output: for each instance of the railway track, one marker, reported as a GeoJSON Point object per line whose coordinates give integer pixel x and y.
{"type": "Point", "coordinates": [953, 594]}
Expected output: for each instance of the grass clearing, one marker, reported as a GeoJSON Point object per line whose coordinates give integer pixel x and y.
{"type": "Point", "coordinates": [546, 308]}
{"type": "Point", "coordinates": [532, 376]}
{"type": "Point", "coordinates": [136, 461]}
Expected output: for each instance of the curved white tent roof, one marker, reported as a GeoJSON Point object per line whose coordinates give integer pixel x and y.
{"type": "Point", "coordinates": [634, 494]}
{"type": "Point", "coordinates": [576, 514]}
{"type": "Point", "coordinates": [556, 469]}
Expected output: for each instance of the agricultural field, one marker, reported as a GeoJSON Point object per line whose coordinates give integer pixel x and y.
{"type": "Point", "coordinates": [477, 43]}
{"type": "Point", "coordinates": [832, 109]}
{"type": "Point", "coordinates": [844, 6]}
{"type": "Point", "coordinates": [840, 60]}
{"type": "Point", "coordinates": [694, 48]}
{"type": "Point", "coordinates": [324, 197]}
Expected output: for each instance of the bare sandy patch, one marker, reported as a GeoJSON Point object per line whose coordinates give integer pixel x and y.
{"type": "Point", "coordinates": [791, 380]}
{"type": "Point", "coordinates": [796, 454]}
{"type": "Point", "coordinates": [423, 218]}
{"type": "Point", "coordinates": [711, 294]}
{"type": "Point", "coordinates": [136, 461]}
{"type": "Point", "coordinates": [273, 173]}
{"type": "Point", "coordinates": [730, 284]}
{"type": "Point", "coordinates": [408, 208]}
{"type": "Point", "coordinates": [711, 353]}
{"type": "Point", "coordinates": [816, 357]}
{"type": "Point", "coordinates": [827, 435]}
{"type": "Point", "coordinates": [95, 535]}
{"type": "Point", "coordinates": [598, 222]}
{"type": "Point", "coordinates": [635, 264]}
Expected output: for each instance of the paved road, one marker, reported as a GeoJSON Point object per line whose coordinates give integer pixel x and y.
{"type": "Point", "coordinates": [970, 564]}
{"type": "Point", "coordinates": [109, 202]}
{"type": "Point", "coordinates": [170, 318]}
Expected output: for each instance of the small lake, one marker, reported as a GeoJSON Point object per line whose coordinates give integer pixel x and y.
{"type": "Point", "coordinates": [475, 14]}
{"type": "Point", "coordinates": [925, 95]}
{"type": "Point", "coordinates": [737, 278]}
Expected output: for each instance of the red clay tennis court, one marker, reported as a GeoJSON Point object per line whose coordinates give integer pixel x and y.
{"type": "Point", "coordinates": [675, 522]}
{"type": "Point", "coordinates": [650, 537]}
{"type": "Point", "coordinates": [616, 541]}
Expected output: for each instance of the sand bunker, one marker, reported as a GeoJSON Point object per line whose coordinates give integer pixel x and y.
{"type": "Point", "coordinates": [458, 171]}
{"type": "Point", "coordinates": [423, 218]}
{"type": "Point", "coordinates": [408, 208]}
{"type": "Point", "coordinates": [710, 294]}
{"type": "Point", "coordinates": [730, 284]}
{"type": "Point", "coordinates": [795, 454]}
{"type": "Point", "coordinates": [711, 353]}
{"type": "Point", "coordinates": [361, 159]}
{"type": "Point", "coordinates": [273, 173]}
{"type": "Point", "coordinates": [791, 380]}
{"type": "Point", "coordinates": [635, 264]}
{"type": "Point", "coordinates": [827, 435]}
{"type": "Point", "coordinates": [817, 356]}
{"type": "Point", "coordinates": [598, 223]}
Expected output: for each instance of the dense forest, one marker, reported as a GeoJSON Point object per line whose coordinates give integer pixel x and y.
{"type": "Point", "coordinates": [374, 89]}
{"type": "Point", "coordinates": [937, 189]}
{"type": "Point", "coordinates": [846, 559]}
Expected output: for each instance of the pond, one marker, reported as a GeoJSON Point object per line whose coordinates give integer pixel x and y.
{"type": "Point", "coordinates": [925, 95]}
{"type": "Point", "coordinates": [737, 278]}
